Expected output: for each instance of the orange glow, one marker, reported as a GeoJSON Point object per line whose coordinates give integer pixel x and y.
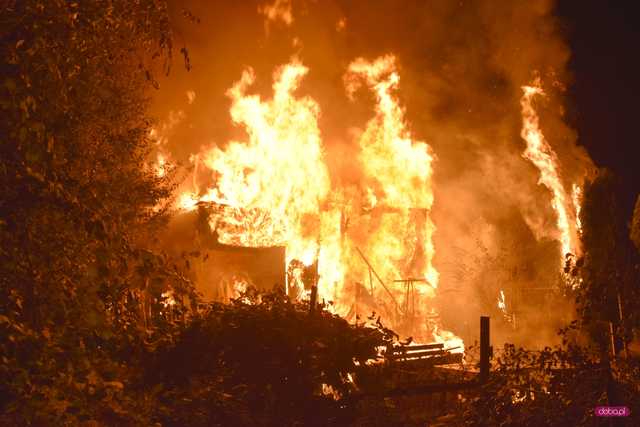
{"type": "Point", "coordinates": [278, 10]}
{"type": "Point", "coordinates": [576, 197]}
{"type": "Point", "coordinates": [502, 305]}
{"type": "Point", "coordinates": [160, 166]}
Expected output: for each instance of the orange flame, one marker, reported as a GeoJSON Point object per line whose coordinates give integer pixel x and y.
{"type": "Point", "coordinates": [576, 197]}
{"type": "Point", "coordinates": [502, 305]}
{"type": "Point", "coordinates": [540, 153]}
{"type": "Point", "coordinates": [161, 165]}
{"type": "Point", "coordinates": [279, 10]}
{"type": "Point", "coordinates": [398, 168]}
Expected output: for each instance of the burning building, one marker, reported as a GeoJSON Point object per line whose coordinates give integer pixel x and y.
{"type": "Point", "coordinates": [402, 167]}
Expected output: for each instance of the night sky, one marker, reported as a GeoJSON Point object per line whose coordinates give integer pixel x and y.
{"type": "Point", "coordinates": [605, 94]}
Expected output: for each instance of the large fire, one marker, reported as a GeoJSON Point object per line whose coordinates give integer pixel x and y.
{"type": "Point", "coordinates": [274, 189]}
{"type": "Point", "coordinates": [370, 242]}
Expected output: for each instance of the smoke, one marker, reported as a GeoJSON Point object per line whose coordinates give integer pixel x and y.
{"type": "Point", "coordinates": [462, 65]}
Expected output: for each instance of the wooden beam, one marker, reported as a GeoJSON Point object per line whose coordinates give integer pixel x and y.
{"type": "Point", "coordinates": [442, 359]}
{"type": "Point", "coordinates": [313, 299]}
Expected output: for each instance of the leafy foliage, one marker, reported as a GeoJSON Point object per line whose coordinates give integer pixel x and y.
{"type": "Point", "coordinates": [608, 270]}
{"type": "Point", "coordinates": [80, 285]}
{"type": "Point", "coordinates": [262, 360]}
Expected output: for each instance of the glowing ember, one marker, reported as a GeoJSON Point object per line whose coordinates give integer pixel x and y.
{"type": "Point", "coordinates": [167, 299]}
{"type": "Point", "coordinates": [502, 305]}
{"type": "Point", "coordinates": [239, 285]}
{"type": "Point", "coordinates": [576, 197]}
{"type": "Point", "coordinates": [160, 166]}
{"type": "Point", "coordinates": [329, 391]}
{"type": "Point", "coordinates": [191, 96]}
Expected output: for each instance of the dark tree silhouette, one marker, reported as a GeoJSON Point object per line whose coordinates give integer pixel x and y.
{"type": "Point", "coordinates": [78, 281]}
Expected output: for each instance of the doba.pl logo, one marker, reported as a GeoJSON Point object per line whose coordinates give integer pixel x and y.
{"type": "Point", "coordinates": [612, 411]}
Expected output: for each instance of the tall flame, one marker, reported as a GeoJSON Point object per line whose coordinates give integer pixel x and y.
{"type": "Point", "coordinates": [398, 168]}
{"type": "Point", "coordinates": [398, 173]}
{"type": "Point", "coordinates": [545, 159]}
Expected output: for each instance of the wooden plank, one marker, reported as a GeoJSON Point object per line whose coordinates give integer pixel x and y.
{"type": "Point", "coordinates": [443, 358]}
{"type": "Point", "coordinates": [418, 354]}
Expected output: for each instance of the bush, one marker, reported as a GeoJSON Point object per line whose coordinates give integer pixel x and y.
{"type": "Point", "coordinates": [262, 361]}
